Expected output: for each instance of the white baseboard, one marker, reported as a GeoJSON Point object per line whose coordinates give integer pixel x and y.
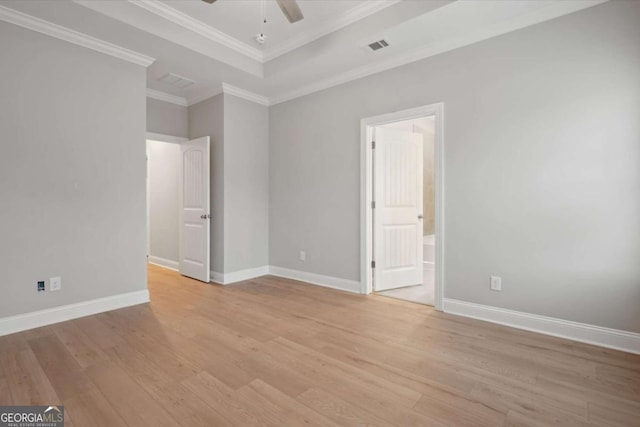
{"type": "Point", "coordinates": [163, 262]}
{"type": "Point", "coordinates": [316, 279]}
{"type": "Point", "coordinates": [303, 276]}
{"type": "Point", "coordinates": [216, 277]}
{"type": "Point", "coordinates": [239, 276]}
{"type": "Point", "coordinates": [36, 319]}
{"type": "Point", "coordinates": [590, 334]}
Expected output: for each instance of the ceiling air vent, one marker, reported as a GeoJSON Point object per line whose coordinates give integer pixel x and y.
{"type": "Point", "coordinates": [176, 80]}
{"type": "Point", "coordinates": [378, 45]}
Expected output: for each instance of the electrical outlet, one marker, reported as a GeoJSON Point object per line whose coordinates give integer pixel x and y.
{"type": "Point", "coordinates": [496, 283]}
{"type": "Point", "coordinates": [303, 256]}
{"type": "Point", "coordinates": [55, 284]}
{"type": "Point", "coordinates": [40, 286]}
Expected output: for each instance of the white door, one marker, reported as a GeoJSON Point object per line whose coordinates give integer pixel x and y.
{"type": "Point", "coordinates": [398, 188]}
{"type": "Point", "coordinates": [195, 218]}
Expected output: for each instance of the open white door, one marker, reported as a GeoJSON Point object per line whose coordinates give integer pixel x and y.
{"type": "Point", "coordinates": [195, 215]}
{"type": "Point", "coordinates": [398, 192]}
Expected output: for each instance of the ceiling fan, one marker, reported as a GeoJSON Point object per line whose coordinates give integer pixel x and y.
{"type": "Point", "coordinates": [290, 9]}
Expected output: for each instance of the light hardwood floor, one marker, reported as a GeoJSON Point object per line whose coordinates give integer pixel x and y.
{"type": "Point", "coordinates": [277, 352]}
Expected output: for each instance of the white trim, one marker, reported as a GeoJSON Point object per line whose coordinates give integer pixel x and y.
{"type": "Point", "coordinates": [165, 138]}
{"type": "Point", "coordinates": [582, 332]}
{"type": "Point", "coordinates": [166, 97]}
{"type": "Point", "coordinates": [163, 262]}
{"type": "Point", "coordinates": [248, 274]}
{"type": "Point", "coordinates": [36, 319]}
{"type": "Point", "coordinates": [552, 11]}
{"type": "Point", "coordinates": [244, 94]}
{"type": "Point", "coordinates": [366, 190]}
{"type": "Point", "coordinates": [173, 15]}
{"type": "Point", "coordinates": [303, 276]}
{"type": "Point", "coordinates": [350, 16]}
{"type": "Point", "coordinates": [63, 33]}
{"type": "Point", "coordinates": [238, 276]}
{"type": "Point", "coordinates": [204, 95]}
{"type": "Point", "coordinates": [217, 277]}
{"type": "Point", "coordinates": [186, 21]}
{"type": "Point", "coordinates": [147, 183]}
{"type": "Point", "coordinates": [316, 279]}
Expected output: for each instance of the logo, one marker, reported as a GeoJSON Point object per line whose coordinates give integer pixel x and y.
{"type": "Point", "coordinates": [31, 416]}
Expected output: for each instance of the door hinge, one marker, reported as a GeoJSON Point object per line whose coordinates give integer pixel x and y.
{"type": "Point", "coordinates": [373, 264]}
{"type": "Point", "coordinates": [373, 145]}
{"type": "Point", "coordinates": [373, 204]}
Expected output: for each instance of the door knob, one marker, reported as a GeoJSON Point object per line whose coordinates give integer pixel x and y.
{"type": "Point", "coordinates": [205, 216]}
{"type": "Point", "coordinates": [420, 216]}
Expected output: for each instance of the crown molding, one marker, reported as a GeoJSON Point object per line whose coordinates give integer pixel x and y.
{"type": "Point", "coordinates": [540, 15]}
{"type": "Point", "coordinates": [552, 11]}
{"type": "Point", "coordinates": [347, 18]}
{"type": "Point", "coordinates": [166, 97]}
{"type": "Point", "coordinates": [173, 15]}
{"type": "Point", "coordinates": [245, 94]}
{"type": "Point", "coordinates": [203, 96]}
{"type": "Point", "coordinates": [63, 33]}
{"type": "Point", "coordinates": [230, 90]}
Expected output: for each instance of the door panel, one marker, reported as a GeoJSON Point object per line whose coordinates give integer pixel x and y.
{"type": "Point", "coordinates": [398, 192]}
{"type": "Point", "coordinates": [194, 209]}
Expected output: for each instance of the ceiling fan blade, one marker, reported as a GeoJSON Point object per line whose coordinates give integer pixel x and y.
{"type": "Point", "coordinates": [291, 10]}
{"type": "Point", "coordinates": [209, 1]}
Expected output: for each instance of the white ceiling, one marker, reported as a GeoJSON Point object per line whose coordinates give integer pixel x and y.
{"type": "Point", "coordinates": [212, 44]}
{"type": "Point", "coordinates": [242, 19]}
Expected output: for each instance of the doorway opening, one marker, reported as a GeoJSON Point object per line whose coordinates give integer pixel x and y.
{"type": "Point", "coordinates": [178, 205]}
{"type": "Point", "coordinates": [163, 178]}
{"type": "Point", "coordinates": [402, 215]}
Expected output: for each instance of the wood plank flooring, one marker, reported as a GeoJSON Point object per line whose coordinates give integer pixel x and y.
{"type": "Point", "coordinates": [275, 352]}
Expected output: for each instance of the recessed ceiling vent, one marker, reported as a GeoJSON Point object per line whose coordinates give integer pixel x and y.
{"type": "Point", "coordinates": [378, 45]}
{"type": "Point", "coordinates": [176, 80]}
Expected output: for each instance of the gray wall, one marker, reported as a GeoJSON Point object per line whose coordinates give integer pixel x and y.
{"type": "Point", "coordinates": [239, 179]}
{"type": "Point", "coordinates": [542, 167]}
{"type": "Point", "coordinates": [246, 180]}
{"type": "Point", "coordinates": [167, 118]}
{"type": "Point", "coordinates": [72, 172]}
{"type": "Point", "coordinates": [164, 176]}
{"type": "Point", "coordinates": [207, 119]}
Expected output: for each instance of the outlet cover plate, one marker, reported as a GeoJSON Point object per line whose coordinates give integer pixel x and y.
{"type": "Point", "coordinates": [55, 284]}
{"type": "Point", "coordinates": [496, 283]}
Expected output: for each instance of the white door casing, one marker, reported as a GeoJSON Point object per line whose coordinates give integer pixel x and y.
{"type": "Point", "coordinates": [195, 218]}
{"type": "Point", "coordinates": [398, 196]}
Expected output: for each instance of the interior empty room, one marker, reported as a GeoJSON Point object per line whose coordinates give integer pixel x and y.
{"type": "Point", "coordinates": [320, 212]}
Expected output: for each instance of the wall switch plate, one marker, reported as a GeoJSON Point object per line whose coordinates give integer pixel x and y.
{"type": "Point", "coordinates": [303, 256]}
{"type": "Point", "coordinates": [40, 286]}
{"type": "Point", "coordinates": [55, 283]}
{"type": "Point", "coordinates": [496, 283]}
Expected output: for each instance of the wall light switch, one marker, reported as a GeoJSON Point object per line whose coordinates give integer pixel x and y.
{"type": "Point", "coordinates": [496, 283]}
{"type": "Point", "coordinates": [303, 256]}
{"type": "Point", "coordinates": [55, 283]}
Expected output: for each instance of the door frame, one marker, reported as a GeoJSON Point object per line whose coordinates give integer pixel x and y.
{"type": "Point", "coordinates": [366, 192]}
{"type": "Point", "coordinates": [150, 136]}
